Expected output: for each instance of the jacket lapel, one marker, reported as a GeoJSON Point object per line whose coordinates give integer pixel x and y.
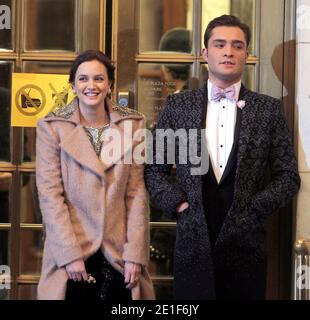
{"type": "Point", "coordinates": [118, 138]}
{"type": "Point", "coordinates": [245, 130]}
{"type": "Point", "coordinates": [234, 148]}
{"type": "Point", "coordinates": [204, 106]}
{"type": "Point", "coordinates": [75, 142]}
{"type": "Point", "coordinates": [117, 145]}
{"type": "Point", "coordinates": [78, 146]}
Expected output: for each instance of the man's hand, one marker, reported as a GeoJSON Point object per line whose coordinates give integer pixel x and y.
{"type": "Point", "coordinates": [132, 274]}
{"type": "Point", "coordinates": [76, 270]}
{"type": "Point", "coordinates": [182, 206]}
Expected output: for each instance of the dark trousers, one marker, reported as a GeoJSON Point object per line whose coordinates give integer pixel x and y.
{"type": "Point", "coordinates": [230, 286]}
{"type": "Point", "coordinates": [109, 286]}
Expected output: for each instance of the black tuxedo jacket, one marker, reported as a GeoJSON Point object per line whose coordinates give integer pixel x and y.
{"type": "Point", "coordinates": [262, 141]}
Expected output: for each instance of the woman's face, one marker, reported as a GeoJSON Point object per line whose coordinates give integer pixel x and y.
{"type": "Point", "coordinates": [91, 83]}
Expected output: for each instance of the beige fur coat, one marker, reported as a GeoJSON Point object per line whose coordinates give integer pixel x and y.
{"type": "Point", "coordinates": [88, 204]}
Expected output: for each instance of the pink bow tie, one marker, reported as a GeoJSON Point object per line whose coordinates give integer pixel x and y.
{"type": "Point", "coordinates": [217, 94]}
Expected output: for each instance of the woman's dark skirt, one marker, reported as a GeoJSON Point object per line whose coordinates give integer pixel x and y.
{"type": "Point", "coordinates": [109, 286]}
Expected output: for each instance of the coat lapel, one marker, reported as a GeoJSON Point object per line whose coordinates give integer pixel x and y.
{"type": "Point", "coordinates": [75, 142]}
{"type": "Point", "coordinates": [78, 146]}
{"type": "Point", "coordinates": [117, 145]}
{"type": "Point", "coordinates": [234, 148]}
{"type": "Point", "coordinates": [118, 138]}
{"type": "Point", "coordinates": [245, 130]}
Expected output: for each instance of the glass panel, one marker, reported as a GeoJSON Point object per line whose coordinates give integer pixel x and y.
{"type": "Point", "coordinates": [5, 104]}
{"type": "Point", "coordinates": [30, 210]}
{"type": "Point", "coordinates": [48, 67]}
{"type": "Point", "coordinates": [4, 247]}
{"type": "Point", "coordinates": [31, 245]}
{"type": "Point", "coordinates": [243, 9]}
{"type": "Point", "coordinates": [6, 69]}
{"type": "Point", "coordinates": [5, 191]}
{"type": "Point", "coordinates": [161, 251]}
{"type": "Point", "coordinates": [6, 25]}
{"type": "Point", "coordinates": [27, 292]}
{"type": "Point", "coordinates": [127, 44]}
{"type": "Point", "coordinates": [90, 20]}
{"type": "Point", "coordinates": [164, 290]}
{"type": "Point", "coordinates": [155, 82]}
{"type": "Point", "coordinates": [29, 150]}
{"type": "Point", "coordinates": [248, 77]}
{"type": "Point", "coordinates": [50, 25]}
{"type": "Point", "coordinates": [158, 18]}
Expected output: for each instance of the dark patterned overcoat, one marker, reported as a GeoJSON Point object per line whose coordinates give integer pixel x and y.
{"type": "Point", "coordinates": [239, 254]}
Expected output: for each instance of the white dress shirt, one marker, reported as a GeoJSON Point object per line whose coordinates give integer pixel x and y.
{"type": "Point", "coordinates": [220, 129]}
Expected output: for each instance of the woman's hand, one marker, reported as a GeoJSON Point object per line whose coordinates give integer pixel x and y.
{"type": "Point", "coordinates": [76, 270]}
{"type": "Point", "coordinates": [132, 274]}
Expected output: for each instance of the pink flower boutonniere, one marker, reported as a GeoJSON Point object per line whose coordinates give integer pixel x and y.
{"type": "Point", "coordinates": [241, 104]}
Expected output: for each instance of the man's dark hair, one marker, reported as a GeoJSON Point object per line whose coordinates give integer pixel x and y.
{"type": "Point", "coordinates": [227, 21]}
{"type": "Point", "coordinates": [90, 55]}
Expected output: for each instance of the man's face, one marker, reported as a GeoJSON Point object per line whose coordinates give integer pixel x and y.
{"type": "Point", "coordinates": [226, 55]}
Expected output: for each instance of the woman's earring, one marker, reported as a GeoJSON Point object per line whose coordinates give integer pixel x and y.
{"type": "Point", "coordinates": [109, 91]}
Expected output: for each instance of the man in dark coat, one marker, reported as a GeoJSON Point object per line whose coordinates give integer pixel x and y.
{"type": "Point", "coordinates": [220, 237]}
